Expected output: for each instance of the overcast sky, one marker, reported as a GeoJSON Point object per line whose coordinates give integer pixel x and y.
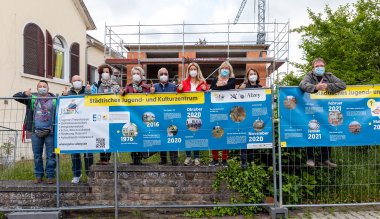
{"type": "Point", "coordinates": [119, 12]}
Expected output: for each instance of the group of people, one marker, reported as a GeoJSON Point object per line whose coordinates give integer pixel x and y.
{"type": "Point", "coordinates": [39, 118]}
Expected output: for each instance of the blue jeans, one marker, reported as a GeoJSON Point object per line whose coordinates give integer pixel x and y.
{"type": "Point", "coordinates": [196, 154]}
{"type": "Point", "coordinates": [77, 163]}
{"type": "Point", "coordinates": [38, 148]}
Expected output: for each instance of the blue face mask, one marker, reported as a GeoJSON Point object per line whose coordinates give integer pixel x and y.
{"type": "Point", "coordinates": [319, 71]}
{"type": "Point", "coordinates": [224, 72]}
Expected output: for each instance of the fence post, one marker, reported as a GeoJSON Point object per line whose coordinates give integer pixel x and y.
{"type": "Point", "coordinates": [115, 185]}
{"type": "Point", "coordinates": [57, 178]}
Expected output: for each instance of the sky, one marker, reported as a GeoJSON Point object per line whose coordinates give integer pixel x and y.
{"type": "Point", "coordinates": [126, 12]}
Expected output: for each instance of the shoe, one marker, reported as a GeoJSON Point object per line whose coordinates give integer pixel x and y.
{"type": "Point", "coordinates": [310, 163]}
{"type": "Point", "coordinates": [197, 162]}
{"type": "Point", "coordinates": [214, 163]}
{"type": "Point", "coordinates": [163, 162]}
{"type": "Point", "coordinates": [330, 164]}
{"type": "Point", "coordinates": [76, 180]}
{"type": "Point", "coordinates": [102, 162]}
{"type": "Point", "coordinates": [244, 165]}
{"type": "Point", "coordinates": [224, 163]}
{"type": "Point", "coordinates": [50, 181]}
{"type": "Point", "coordinates": [174, 163]}
{"type": "Point", "coordinates": [187, 161]}
{"type": "Point", "coordinates": [37, 180]}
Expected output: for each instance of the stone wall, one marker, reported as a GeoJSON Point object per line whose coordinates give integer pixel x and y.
{"type": "Point", "coordinates": [137, 185]}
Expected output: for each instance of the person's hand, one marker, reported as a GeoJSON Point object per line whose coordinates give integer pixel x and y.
{"type": "Point", "coordinates": [321, 86]}
{"type": "Point", "coordinates": [65, 92]}
{"type": "Point", "coordinates": [221, 83]}
{"type": "Point", "coordinates": [203, 87]}
{"type": "Point", "coordinates": [152, 89]}
{"type": "Point", "coordinates": [122, 91]}
{"type": "Point", "coordinates": [28, 92]}
{"type": "Point", "coordinates": [88, 86]}
{"type": "Point", "coordinates": [242, 86]}
{"type": "Point", "coordinates": [180, 85]}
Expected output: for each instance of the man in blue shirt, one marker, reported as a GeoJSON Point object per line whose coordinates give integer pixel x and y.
{"type": "Point", "coordinates": [164, 86]}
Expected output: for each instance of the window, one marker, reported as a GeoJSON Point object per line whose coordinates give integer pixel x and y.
{"type": "Point", "coordinates": [74, 59]}
{"type": "Point", "coordinates": [59, 54]}
{"type": "Point", "coordinates": [49, 55]}
{"type": "Point", "coordinates": [34, 50]}
{"type": "Point", "coordinates": [92, 74]}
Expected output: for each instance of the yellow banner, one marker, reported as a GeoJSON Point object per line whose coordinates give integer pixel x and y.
{"type": "Point", "coordinates": [145, 99]}
{"type": "Point", "coordinates": [366, 91]}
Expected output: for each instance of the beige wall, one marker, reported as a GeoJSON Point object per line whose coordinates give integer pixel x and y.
{"type": "Point", "coordinates": [57, 16]}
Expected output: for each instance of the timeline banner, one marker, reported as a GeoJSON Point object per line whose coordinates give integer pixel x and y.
{"type": "Point", "coordinates": [348, 118]}
{"type": "Point", "coordinates": [236, 119]}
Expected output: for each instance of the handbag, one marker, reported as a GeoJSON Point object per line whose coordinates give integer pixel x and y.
{"type": "Point", "coordinates": [41, 132]}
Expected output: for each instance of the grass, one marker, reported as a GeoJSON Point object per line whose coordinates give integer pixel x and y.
{"type": "Point", "coordinates": [23, 170]}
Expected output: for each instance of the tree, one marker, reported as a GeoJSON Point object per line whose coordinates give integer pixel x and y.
{"type": "Point", "coordinates": [348, 39]}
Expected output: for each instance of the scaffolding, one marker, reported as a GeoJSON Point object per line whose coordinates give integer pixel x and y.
{"type": "Point", "coordinates": [216, 41]}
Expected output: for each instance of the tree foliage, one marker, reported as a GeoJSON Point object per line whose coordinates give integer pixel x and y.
{"type": "Point", "coordinates": [348, 39]}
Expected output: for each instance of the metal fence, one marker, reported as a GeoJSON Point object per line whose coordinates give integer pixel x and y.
{"type": "Point", "coordinates": [355, 181]}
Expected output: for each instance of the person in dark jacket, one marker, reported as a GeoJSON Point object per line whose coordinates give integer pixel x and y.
{"type": "Point", "coordinates": [136, 86]}
{"type": "Point", "coordinates": [319, 80]}
{"type": "Point", "coordinates": [39, 120]}
{"type": "Point", "coordinates": [224, 81]}
{"type": "Point", "coordinates": [251, 80]}
{"type": "Point", "coordinates": [164, 86]}
{"type": "Point", "coordinates": [79, 89]}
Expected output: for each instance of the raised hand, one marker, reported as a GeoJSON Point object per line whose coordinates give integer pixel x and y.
{"type": "Point", "coordinates": [88, 86]}
{"type": "Point", "coordinates": [28, 92]}
{"type": "Point", "coordinates": [65, 92]}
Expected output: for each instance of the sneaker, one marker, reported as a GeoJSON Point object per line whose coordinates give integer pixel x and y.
{"type": "Point", "coordinates": [310, 163]}
{"type": "Point", "coordinates": [214, 163]}
{"type": "Point", "coordinates": [50, 181]}
{"type": "Point", "coordinates": [76, 180]}
{"type": "Point", "coordinates": [187, 161]}
{"type": "Point", "coordinates": [330, 164]}
{"type": "Point", "coordinates": [174, 163]}
{"type": "Point", "coordinates": [163, 162]}
{"type": "Point", "coordinates": [197, 162]}
{"type": "Point", "coordinates": [244, 165]}
{"type": "Point", "coordinates": [37, 180]}
{"type": "Point", "coordinates": [224, 163]}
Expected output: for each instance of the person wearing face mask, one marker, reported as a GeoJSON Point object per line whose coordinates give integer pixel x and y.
{"type": "Point", "coordinates": [39, 120]}
{"type": "Point", "coordinates": [106, 85]}
{"type": "Point", "coordinates": [251, 80]}
{"type": "Point", "coordinates": [79, 89]}
{"type": "Point", "coordinates": [319, 80]}
{"type": "Point", "coordinates": [164, 86]}
{"type": "Point", "coordinates": [136, 86]}
{"type": "Point", "coordinates": [224, 81]}
{"type": "Point", "coordinates": [194, 82]}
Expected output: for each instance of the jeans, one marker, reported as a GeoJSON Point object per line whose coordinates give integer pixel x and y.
{"type": "Point", "coordinates": [77, 163]}
{"type": "Point", "coordinates": [38, 148]}
{"type": "Point", "coordinates": [196, 154]}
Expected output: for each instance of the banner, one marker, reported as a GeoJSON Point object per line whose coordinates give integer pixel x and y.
{"type": "Point", "coordinates": [348, 118]}
{"type": "Point", "coordinates": [165, 121]}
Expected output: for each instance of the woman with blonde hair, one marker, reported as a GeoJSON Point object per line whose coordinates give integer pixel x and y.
{"type": "Point", "coordinates": [194, 82]}
{"type": "Point", "coordinates": [224, 81]}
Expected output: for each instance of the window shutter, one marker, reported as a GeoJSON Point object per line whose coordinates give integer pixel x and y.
{"type": "Point", "coordinates": [34, 50]}
{"type": "Point", "coordinates": [74, 59]}
{"type": "Point", "coordinates": [49, 55]}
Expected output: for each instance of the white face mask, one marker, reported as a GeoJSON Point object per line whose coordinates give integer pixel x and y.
{"type": "Point", "coordinates": [193, 73]}
{"type": "Point", "coordinates": [164, 78]}
{"type": "Point", "coordinates": [77, 85]}
{"type": "Point", "coordinates": [42, 90]}
{"type": "Point", "coordinates": [136, 78]}
{"type": "Point", "coordinates": [252, 78]}
{"type": "Point", "coordinates": [105, 76]}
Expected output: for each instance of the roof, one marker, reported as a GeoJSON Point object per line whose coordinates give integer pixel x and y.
{"type": "Point", "coordinates": [85, 14]}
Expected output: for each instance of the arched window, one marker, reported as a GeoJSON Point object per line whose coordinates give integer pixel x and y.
{"type": "Point", "coordinates": [74, 59]}
{"type": "Point", "coordinates": [59, 54]}
{"type": "Point", "coordinates": [34, 50]}
{"type": "Point", "coordinates": [49, 55]}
